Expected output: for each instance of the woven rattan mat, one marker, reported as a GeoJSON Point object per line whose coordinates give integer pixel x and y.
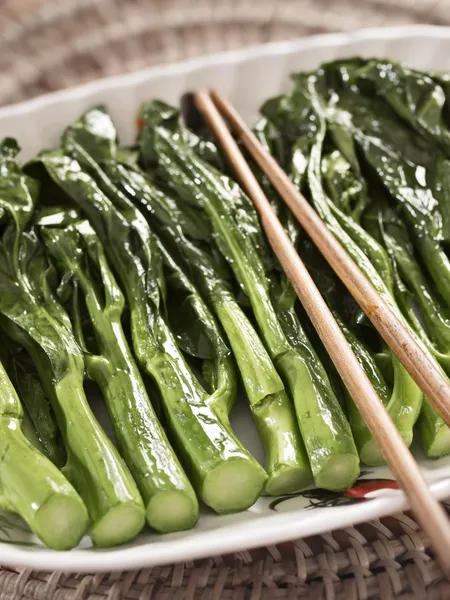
{"type": "Point", "coordinates": [51, 44]}
{"type": "Point", "coordinates": [380, 559]}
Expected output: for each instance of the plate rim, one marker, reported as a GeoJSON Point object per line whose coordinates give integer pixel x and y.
{"type": "Point", "coordinates": [277, 529]}
{"type": "Point", "coordinates": [227, 56]}
{"type": "Point", "coordinates": [259, 531]}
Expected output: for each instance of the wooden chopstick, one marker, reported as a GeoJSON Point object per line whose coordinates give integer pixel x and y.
{"type": "Point", "coordinates": [419, 365]}
{"type": "Point", "coordinates": [401, 462]}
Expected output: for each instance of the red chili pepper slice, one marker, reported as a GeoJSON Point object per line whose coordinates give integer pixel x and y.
{"type": "Point", "coordinates": [361, 489]}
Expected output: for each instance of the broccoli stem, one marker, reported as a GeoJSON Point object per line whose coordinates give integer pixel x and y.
{"type": "Point", "coordinates": [31, 485]}
{"type": "Point", "coordinates": [331, 449]}
{"type": "Point", "coordinates": [286, 461]}
{"type": "Point", "coordinates": [213, 456]}
{"type": "Point", "coordinates": [215, 459]}
{"type": "Point", "coordinates": [93, 464]}
{"type": "Point", "coordinates": [434, 433]}
{"type": "Point", "coordinates": [403, 414]}
{"type": "Point", "coordinates": [422, 308]}
{"type": "Point", "coordinates": [33, 318]}
{"type": "Point", "coordinates": [170, 501]}
{"type": "Point", "coordinates": [437, 263]}
{"type": "Point", "coordinates": [316, 406]}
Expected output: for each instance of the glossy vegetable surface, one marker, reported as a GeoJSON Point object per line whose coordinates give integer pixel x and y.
{"type": "Point", "coordinates": [345, 130]}
{"type": "Point", "coordinates": [32, 316]}
{"type": "Point", "coordinates": [210, 452]}
{"type": "Point", "coordinates": [142, 274]}
{"type": "Point", "coordinates": [324, 428]}
{"type": "Point", "coordinates": [37, 408]}
{"type": "Point", "coordinates": [286, 461]}
{"type": "Point", "coordinates": [31, 485]}
{"type": "Point", "coordinates": [97, 305]}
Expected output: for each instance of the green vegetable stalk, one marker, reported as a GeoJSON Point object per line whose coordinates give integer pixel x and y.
{"type": "Point", "coordinates": [407, 165]}
{"type": "Point", "coordinates": [31, 393]}
{"type": "Point", "coordinates": [198, 335]}
{"type": "Point", "coordinates": [392, 392]}
{"type": "Point", "coordinates": [34, 319]}
{"type": "Point", "coordinates": [324, 428]}
{"type": "Point", "coordinates": [214, 458]}
{"type": "Point", "coordinates": [30, 433]}
{"type": "Point", "coordinates": [286, 461]}
{"type": "Point", "coordinates": [367, 125]}
{"type": "Point", "coordinates": [30, 485]}
{"type": "Point", "coordinates": [170, 501]}
{"type": "Point", "coordinates": [420, 303]}
{"type": "Point", "coordinates": [349, 194]}
{"type": "Point", "coordinates": [424, 310]}
{"type": "Point", "coordinates": [341, 209]}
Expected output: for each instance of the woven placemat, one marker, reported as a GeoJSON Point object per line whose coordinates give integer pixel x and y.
{"type": "Point", "coordinates": [51, 44]}
{"type": "Point", "coordinates": [380, 559]}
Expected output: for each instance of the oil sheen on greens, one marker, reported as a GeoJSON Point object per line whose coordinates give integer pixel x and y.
{"type": "Point", "coordinates": [139, 277]}
{"type": "Point", "coordinates": [371, 140]}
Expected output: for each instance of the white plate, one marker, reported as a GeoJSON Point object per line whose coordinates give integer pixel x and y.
{"type": "Point", "coordinates": [247, 77]}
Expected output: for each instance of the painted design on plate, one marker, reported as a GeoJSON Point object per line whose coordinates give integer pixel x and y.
{"type": "Point", "coordinates": [363, 489]}
{"type": "Point", "coordinates": [13, 530]}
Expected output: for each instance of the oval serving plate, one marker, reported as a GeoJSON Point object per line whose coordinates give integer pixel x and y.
{"type": "Point", "coordinates": [247, 77]}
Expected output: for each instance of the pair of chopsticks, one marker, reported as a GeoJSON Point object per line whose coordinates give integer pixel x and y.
{"type": "Point", "coordinates": [428, 377]}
